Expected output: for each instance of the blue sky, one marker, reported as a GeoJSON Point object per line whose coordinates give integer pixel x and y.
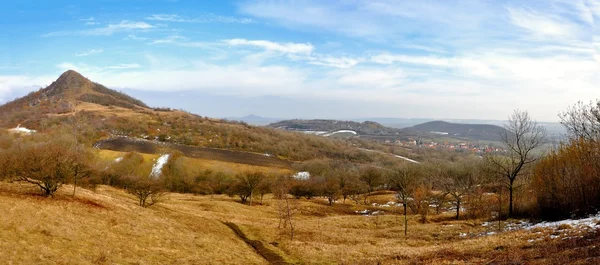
{"type": "Point", "coordinates": [314, 59]}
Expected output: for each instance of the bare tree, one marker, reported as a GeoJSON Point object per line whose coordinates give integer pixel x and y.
{"type": "Point", "coordinates": [458, 181]}
{"type": "Point", "coordinates": [246, 184]}
{"type": "Point", "coordinates": [404, 181]}
{"type": "Point", "coordinates": [286, 207]}
{"type": "Point", "coordinates": [521, 136]}
{"type": "Point", "coordinates": [582, 121]}
{"type": "Point", "coordinates": [148, 191]}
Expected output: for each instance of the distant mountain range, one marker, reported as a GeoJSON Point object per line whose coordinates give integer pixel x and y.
{"type": "Point", "coordinates": [254, 120]}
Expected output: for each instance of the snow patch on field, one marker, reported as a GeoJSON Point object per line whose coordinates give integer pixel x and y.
{"type": "Point", "coordinates": [397, 156]}
{"type": "Point", "coordinates": [408, 159]}
{"type": "Point", "coordinates": [314, 132]}
{"type": "Point", "coordinates": [22, 130]}
{"type": "Point", "coordinates": [591, 222]}
{"type": "Point", "coordinates": [340, 131]}
{"type": "Point", "coordinates": [302, 175]}
{"type": "Point", "coordinates": [157, 168]}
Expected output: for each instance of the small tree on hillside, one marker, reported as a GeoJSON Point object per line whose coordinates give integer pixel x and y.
{"type": "Point", "coordinates": [148, 191]}
{"type": "Point", "coordinates": [521, 136]}
{"type": "Point", "coordinates": [458, 181]}
{"type": "Point", "coordinates": [246, 184]}
{"type": "Point", "coordinates": [286, 207]}
{"type": "Point", "coordinates": [404, 181]}
{"type": "Point", "coordinates": [46, 164]}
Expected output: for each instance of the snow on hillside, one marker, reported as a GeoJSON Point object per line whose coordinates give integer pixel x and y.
{"type": "Point", "coordinates": [340, 131]}
{"type": "Point", "coordinates": [22, 130]}
{"type": "Point", "coordinates": [398, 156]}
{"type": "Point", "coordinates": [303, 175]}
{"type": "Point", "coordinates": [157, 168]}
{"type": "Point", "coordinates": [408, 159]}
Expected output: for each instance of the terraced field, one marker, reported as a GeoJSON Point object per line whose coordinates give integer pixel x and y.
{"type": "Point", "coordinates": [126, 144]}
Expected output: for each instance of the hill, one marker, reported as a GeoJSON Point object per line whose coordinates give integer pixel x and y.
{"type": "Point", "coordinates": [320, 125]}
{"type": "Point", "coordinates": [254, 120]}
{"type": "Point", "coordinates": [484, 132]}
{"type": "Point", "coordinates": [77, 105]}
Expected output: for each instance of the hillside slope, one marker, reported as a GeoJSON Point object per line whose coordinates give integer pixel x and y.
{"type": "Point", "coordinates": [485, 132]}
{"type": "Point", "coordinates": [364, 128]}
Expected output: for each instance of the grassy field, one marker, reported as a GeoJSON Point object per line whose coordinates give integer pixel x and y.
{"type": "Point", "coordinates": [147, 147]}
{"type": "Point", "coordinates": [197, 164]}
{"type": "Point", "coordinates": [105, 226]}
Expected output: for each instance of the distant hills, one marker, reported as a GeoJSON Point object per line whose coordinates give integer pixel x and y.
{"type": "Point", "coordinates": [361, 128]}
{"type": "Point", "coordinates": [254, 120]}
{"type": "Point", "coordinates": [374, 130]}
{"type": "Point", "coordinates": [485, 132]}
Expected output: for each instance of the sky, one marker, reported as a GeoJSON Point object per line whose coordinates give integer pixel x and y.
{"type": "Point", "coordinates": [313, 58]}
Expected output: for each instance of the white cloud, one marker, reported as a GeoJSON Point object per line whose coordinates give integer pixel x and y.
{"type": "Point", "coordinates": [89, 21]}
{"type": "Point", "coordinates": [12, 86]}
{"type": "Point", "coordinates": [170, 39]}
{"type": "Point", "coordinates": [541, 24]}
{"type": "Point", "coordinates": [123, 26]}
{"type": "Point", "coordinates": [288, 47]}
{"type": "Point", "coordinates": [89, 52]}
{"type": "Point", "coordinates": [135, 37]}
{"type": "Point", "coordinates": [86, 68]}
{"type": "Point", "coordinates": [330, 61]}
{"type": "Point", "coordinates": [206, 18]}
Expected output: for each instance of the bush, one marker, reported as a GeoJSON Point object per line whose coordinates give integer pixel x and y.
{"type": "Point", "coordinates": [148, 191]}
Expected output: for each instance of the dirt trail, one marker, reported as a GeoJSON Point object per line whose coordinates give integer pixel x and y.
{"type": "Point", "coordinates": [259, 246]}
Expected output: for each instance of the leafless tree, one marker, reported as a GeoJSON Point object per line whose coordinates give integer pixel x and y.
{"type": "Point", "coordinates": [286, 207]}
{"type": "Point", "coordinates": [458, 181]}
{"type": "Point", "coordinates": [582, 121]}
{"type": "Point", "coordinates": [246, 184]}
{"type": "Point", "coordinates": [521, 136]}
{"type": "Point", "coordinates": [148, 191]}
{"type": "Point", "coordinates": [405, 181]}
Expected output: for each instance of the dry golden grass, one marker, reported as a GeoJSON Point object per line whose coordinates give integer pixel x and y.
{"type": "Point", "coordinates": [106, 226]}
{"type": "Point", "coordinates": [199, 164]}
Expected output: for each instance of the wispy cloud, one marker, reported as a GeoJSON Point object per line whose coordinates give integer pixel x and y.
{"type": "Point", "coordinates": [288, 47]}
{"type": "Point", "coordinates": [110, 29]}
{"type": "Point", "coordinates": [206, 18]}
{"type": "Point", "coordinates": [541, 24]}
{"type": "Point", "coordinates": [89, 21]}
{"type": "Point", "coordinates": [86, 68]}
{"type": "Point", "coordinates": [170, 39]}
{"type": "Point", "coordinates": [89, 52]}
{"type": "Point", "coordinates": [135, 37]}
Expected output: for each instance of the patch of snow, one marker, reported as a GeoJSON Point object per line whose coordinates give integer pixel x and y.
{"type": "Point", "coordinates": [340, 131]}
{"type": "Point", "coordinates": [157, 168]}
{"type": "Point", "coordinates": [303, 175]}
{"type": "Point", "coordinates": [408, 159]}
{"type": "Point", "coordinates": [22, 130]}
{"type": "Point", "coordinates": [314, 132]}
{"type": "Point", "coordinates": [398, 156]}
{"type": "Point", "coordinates": [591, 222]}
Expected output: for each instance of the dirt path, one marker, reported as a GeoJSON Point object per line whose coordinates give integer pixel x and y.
{"type": "Point", "coordinates": [259, 246]}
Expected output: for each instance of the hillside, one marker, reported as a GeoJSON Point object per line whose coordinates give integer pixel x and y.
{"type": "Point", "coordinates": [95, 113]}
{"type": "Point", "coordinates": [365, 128]}
{"type": "Point", "coordinates": [105, 226]}
{"type": "Point", "coordinates": [484, 132]}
